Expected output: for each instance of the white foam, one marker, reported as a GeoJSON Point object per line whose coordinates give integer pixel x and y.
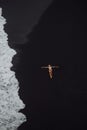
{"type": "Point", "coordinates": [10, 102]}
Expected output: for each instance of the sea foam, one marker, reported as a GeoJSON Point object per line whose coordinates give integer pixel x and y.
{"type": "Point", "coordinates": [10, 102]}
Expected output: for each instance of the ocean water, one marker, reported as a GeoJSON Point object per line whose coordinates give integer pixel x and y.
{"type": "Point", "coordinates": [10, 102]}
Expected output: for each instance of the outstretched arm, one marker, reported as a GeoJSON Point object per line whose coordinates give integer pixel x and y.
{"type": "Point", "coordinates": [55, 66]}
{"type": "Point", "coordinates": [43, 67]}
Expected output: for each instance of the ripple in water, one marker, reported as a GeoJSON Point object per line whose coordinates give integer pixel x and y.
{"type": "Point", "coordinates": [10, 102]}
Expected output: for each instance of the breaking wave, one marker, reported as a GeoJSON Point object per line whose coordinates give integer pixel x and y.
{"type": "Point", "coordinates": [10, 102]}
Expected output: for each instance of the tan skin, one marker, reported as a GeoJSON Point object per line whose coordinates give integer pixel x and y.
{"type": "Point", "coordinates": [50, 70]}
